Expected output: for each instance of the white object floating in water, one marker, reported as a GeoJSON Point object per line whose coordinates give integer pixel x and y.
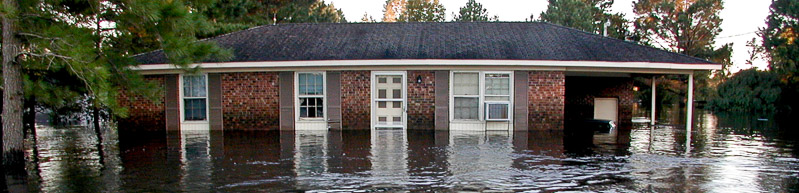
{"type": "Point", "coordinates": [762, 119]}
{"type": "Point", "coordinates": [640, 120]}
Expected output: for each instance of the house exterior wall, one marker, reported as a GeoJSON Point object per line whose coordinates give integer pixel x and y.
{"type": "Point", "coordinates": [581, 91]}
{"type": "Point", "coordinates": [144, 114]}
{"type": "Point", "coordinates": [250, 101]}
{"type": "Point", "coordinates": [356, 100]}
{"type": "Point", "coordinates": [421, 100]}
{"type": "Point", "coordinates": [546, 100]}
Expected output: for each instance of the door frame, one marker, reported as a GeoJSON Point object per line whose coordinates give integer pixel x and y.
{"type": "Point", "coordinates": [373, 102]}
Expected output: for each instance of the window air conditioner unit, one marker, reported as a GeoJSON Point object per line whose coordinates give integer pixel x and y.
{"type": "Point", "coordinates": [497, 111]}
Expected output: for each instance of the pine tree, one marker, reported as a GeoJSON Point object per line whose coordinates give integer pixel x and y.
{"type": "Point", "coordinates": [474, 11]}
{"type": "Point", "coordinates": [586, 15]}
{"type": "Point", "coordinates": [423, 11]}
{"type": "Point", "coordinates": [65, 52]}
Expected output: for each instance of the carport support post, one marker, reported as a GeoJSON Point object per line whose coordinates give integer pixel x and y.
{"type": "Point", "coordinates": [689, 112]}
{"type": "Point", "coordinates": [654, 88]}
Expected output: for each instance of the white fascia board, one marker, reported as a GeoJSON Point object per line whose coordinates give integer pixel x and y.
{"type": "Point", "coordinates": [435, 62]}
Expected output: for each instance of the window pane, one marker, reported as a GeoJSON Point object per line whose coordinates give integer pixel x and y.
{"type": "Point", "coordinates": [498, 111]}
{"type": "Point", "coordinates": [381, 93]}
{"type": "Point", "coordinates": [466, 84]}
{"type": "Point", "coordinates": [397, 80]}
{"type": "Point", "coordinates": [187, 86]}
{"type": "Point", "coordinates": [200, 86]}
{"type": "Point", "coordinates": [194, 109]}
{"type": "Point", "coordinates": [310, 84]}
{"type": "Point", "coordinates": [381, 104]}
{"type": "Point", "coordinates": [302, 83]}
{"type": "Point", "coordinates": [396, 93]}
{"type": "Point", "coordinates": [312, 112]}
{"type": "Point", "coordinates": [311, 107]}
{"type": "Point", "coordinates": [397, 104]}
{"type": "Point", "coordinates": [381, 80]}
{"type": "Point", "coordinates": [194, 86]}
{"type": "Point", "coordinates": [466, 107]}
{"type": "Point", "coordinates": [497, 84]}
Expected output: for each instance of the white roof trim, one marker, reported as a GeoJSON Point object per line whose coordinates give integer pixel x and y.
{"type": "Point", "coordinates": [442, 62]}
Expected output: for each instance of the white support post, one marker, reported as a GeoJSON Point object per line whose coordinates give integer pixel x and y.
{"type": "Point", "coordinates": [689, 112]}
{"type": "Point", "coordinates": [654, 89]}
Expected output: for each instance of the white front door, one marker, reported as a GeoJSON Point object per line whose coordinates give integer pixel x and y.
{"type": "Point", "coordinates": [606, 109]}
{"type": "Point", "coordinates": [388, 100]}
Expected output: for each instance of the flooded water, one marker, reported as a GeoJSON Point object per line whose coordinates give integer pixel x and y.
{"type": "Point", "coordinates": [726, 153]}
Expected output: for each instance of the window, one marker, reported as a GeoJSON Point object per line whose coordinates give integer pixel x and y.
{"type": "Point", "coordinates": [194, 98]}
{"type": "Point", "coordinates": [476, 92]}
{"type": "Point", "coordinates": [311, 92]}
{"type": "Point", "coordinates": [466, 94]}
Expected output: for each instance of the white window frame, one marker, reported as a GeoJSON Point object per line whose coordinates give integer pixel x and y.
{"type": "Point", "coordinates": [182, 100]}
{"type": "Point", "coordinates": [297, 97]}
{"type": "Point", "coordinates": [478, 96]}
{"type": "Point", "coordinates": [482, 96]}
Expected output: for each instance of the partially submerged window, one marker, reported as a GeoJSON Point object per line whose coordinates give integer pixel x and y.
{"type": "Point", "coordinates": [497, 96]}
{"type": "Point", "coordinates": [481, 95]}
{"type": "Point", "coordinates": [466, 94]}
{"type": "Point", "coordinates": [311, 94]}
{"type": "Point", "coordinates": [194, 98]}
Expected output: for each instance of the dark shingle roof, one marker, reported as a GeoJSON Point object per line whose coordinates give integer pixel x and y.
{"type": "Point", "coordinates": [477, 40]}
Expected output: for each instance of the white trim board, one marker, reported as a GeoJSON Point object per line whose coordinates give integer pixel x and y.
{"type": "Point", "coordinates": [413, 63]}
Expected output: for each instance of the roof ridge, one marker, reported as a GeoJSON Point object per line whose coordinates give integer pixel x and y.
{"type": "Point", "coordinates": [628, 42]}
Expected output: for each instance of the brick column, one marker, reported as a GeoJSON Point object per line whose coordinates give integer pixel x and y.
{"type": "Point", "coordinates": [547, 91]}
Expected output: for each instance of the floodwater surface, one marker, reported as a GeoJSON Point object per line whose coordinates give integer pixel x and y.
{"type": "Point", "coordinates": [725, 153]}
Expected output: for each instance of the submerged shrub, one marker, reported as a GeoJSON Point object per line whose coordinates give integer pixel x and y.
{"type": "Point", "coordinates": [748, 91]}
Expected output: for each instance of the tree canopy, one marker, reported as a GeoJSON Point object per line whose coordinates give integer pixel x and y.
{"type": "Point", "coordinates": [474, 11]}
{"type": "Point", "coordinates": [781, 41]}
{"type": "Point", "coordinates": [423, 11]}
{"type": "Point", "coordinates": [748, 91]}
{"type": "Point", "coordinates": [586, 15]}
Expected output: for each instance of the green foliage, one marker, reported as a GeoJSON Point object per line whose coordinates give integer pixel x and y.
{"type": "Point", "coordinates": [227, 16]}
{"type": "Point", "coordinates": [423, 11]}
{"type": "Point", "coordinates": [586, 15]}
{"type": "Point", "coordinates": [781, 41]}
{"type": "Point", "coordinates": [78, 51]}
{"type": "Point", "coordinates": [748, 91]}
{"type": "Point", "coordinates": [474, 11]}
{"type": "Point", "coordinates": [688, 27]}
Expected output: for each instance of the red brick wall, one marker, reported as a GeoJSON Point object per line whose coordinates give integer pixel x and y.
{"type": "Point", "coordinates": [581, 91]}
{"type": "Point", "coordinates": [250, 101]}
{"type": "Point", "coordinates": [355, 99]}
{"type": "Point", "coordinates": [421, 100]}
{"type": "Point", "coordinates": [143, 114]}
{"type": "Point", "coordinates": [546, 97]}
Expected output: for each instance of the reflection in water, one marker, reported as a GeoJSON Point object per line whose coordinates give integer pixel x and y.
{"type": "Point", "coordinates": [728, 153]}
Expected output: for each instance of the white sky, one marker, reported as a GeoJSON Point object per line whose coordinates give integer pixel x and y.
{"type": "Point", "coordinates": [741, 17]}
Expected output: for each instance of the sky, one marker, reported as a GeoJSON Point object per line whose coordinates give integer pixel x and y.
{"type": "Point", "coordinates": [741, 17]}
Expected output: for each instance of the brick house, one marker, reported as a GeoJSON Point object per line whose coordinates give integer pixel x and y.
{"type": "Point", "coordinates": [459, 76]}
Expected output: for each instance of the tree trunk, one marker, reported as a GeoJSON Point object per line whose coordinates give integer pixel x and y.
{"type": "Point", "coordinates": [99, 134]}
{"type": "Point", "coordinates": [13, 156]}
{"type": "Point", "coordinates": [29, 124]}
